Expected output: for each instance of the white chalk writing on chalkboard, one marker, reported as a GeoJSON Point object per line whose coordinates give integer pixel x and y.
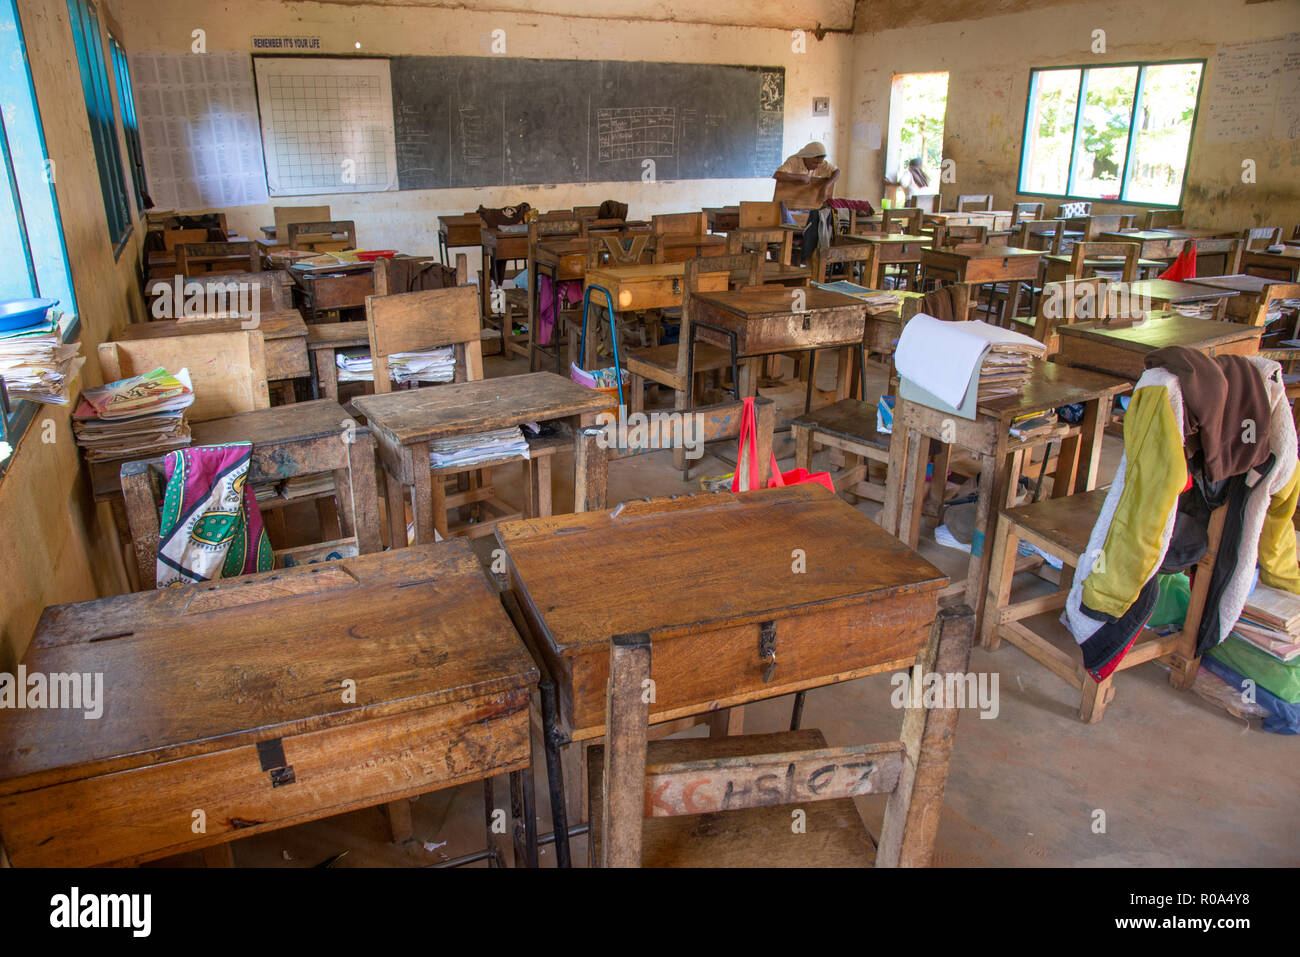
{"type": "Point", "coordinates": [1256, 91]}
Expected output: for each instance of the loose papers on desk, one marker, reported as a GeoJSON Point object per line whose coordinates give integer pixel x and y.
{"type": "Point", "coordinates": [432, 365]}
{"type": "Point", "coordinates": [37, 365]}
{"type": "Point", "coordinates": [952, 365]}
{"type": "Point", "coordinates": [459, 450]}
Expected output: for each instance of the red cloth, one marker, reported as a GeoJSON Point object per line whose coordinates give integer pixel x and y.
{"type": "Point", "coordinates": [1184, 267]}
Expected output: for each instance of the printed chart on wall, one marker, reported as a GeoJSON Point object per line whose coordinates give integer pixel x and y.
{"type": "Point", "coordinates": [327, 125]}
{"type": "Point", "coordinates": [1256, 91]}
{"type": "Point", "coordinates": [198, 129]}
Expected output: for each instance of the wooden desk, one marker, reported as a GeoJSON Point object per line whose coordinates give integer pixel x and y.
{"type": "Point", "coordinates": [891, 249]}
{"type": "Point", "coordinates": [1251, 292]}
{"type": "Point", "coordinates": [1282, 266]}
{"type": "Point", "coordinates": [678, 247]}
{"type": "Point", "coordinates": [1163, 244]}
{"type": "Point", "coordinates": [161, 263]}
{"type": "Point", "coordinates": [1121, 351]}
{"type": "Point", "coordinates": [229, 697]}
{"type": "Point", "coordinates": [722, 219]}
{"type": "Point", "coordinates": [777, 274]}
{"type": "Point", "coordinates": [561, 260]}
{"type": "Point", "coordinates": [739, 627]}
{"type": "Point", "coordinates": [1001, 455]}
{"type": "Point", "coordinates": [1056, 268]}
{"type": "Point", "coordinates": [765, 321]}
{"type": "Point", "coordinates": [1159, 293]}
{"type": "Point", "coordinates": [324, 340]}
{"type": "Point", "coordinates": [983, 265]}
{"type": "Point", "coordinates": [457, 231]}
{"type": "Point", "coordinates": [404, 423]}
{"type": "Point", "coordinates": [283, 332]}
{"type": "Point", "coordinates": [333, 289]}
{"type": "Point", "coordinates": [500, 245]}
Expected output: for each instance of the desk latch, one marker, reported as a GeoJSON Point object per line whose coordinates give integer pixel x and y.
{"type": "Point", "coordinates": [767, 648]}
{"type": "Point", "coordinates": [807, 321]}
{"type": "Point", "coordinates": [271, 755]}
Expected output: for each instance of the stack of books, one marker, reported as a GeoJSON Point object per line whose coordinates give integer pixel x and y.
{"type": "Point", "coordinates": [134, 418]}
{"type": "Point", "coordinates": [37, 365]}
{"type": "Point", "coordinates": [1006, 369]}
{"type": "Point", "coordinates": [1271, 622]}
{"type": "Point", "coordinates": [478, 447]}
{"type": "Point", "coordinates": [430, 365]}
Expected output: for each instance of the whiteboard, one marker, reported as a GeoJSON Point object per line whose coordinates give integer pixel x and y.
{"type": "Point", "coordinates": [327, 125]}
{"type": "Point", "coordinates": [1256, 91]}
{"type": "Point", "coordinates": [199, 129]}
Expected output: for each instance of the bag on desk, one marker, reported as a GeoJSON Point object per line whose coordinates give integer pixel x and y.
{"type": "Point", "coordinates": [745, 459]}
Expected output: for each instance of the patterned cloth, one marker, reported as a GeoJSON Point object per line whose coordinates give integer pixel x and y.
{"type": "Point", "coordinates": [210, 526]}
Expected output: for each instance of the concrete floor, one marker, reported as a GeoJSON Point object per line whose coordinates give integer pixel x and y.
{"type": "Point", "coordinates": [1177, 780]}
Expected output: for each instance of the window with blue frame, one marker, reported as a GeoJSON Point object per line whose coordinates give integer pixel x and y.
{"type": "Point", "coordinates": [99, 109]}
{"type": "Point", "coordinates": [36, 261]}
{"type": "Point", "coordinates": [126, 101]}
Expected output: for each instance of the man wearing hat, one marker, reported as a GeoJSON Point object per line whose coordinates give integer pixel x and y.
{"type": "Point", "coordinates": [808, 167]}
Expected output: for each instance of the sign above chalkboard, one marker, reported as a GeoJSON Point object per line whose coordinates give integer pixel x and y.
{"type": "Point", "coordinates": [286, 44]}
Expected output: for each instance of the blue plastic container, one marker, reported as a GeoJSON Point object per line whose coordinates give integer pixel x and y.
{"type": "Point", "coordinates": [22, 313]}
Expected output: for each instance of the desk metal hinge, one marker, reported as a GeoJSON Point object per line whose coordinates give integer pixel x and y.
{"type": "Point", "coordinates": [271, 755]}
{"type": "Point", "coordinates": [767, 648]}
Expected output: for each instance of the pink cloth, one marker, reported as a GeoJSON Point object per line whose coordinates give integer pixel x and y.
{"type": "Point", "coordinates": [570, 291]}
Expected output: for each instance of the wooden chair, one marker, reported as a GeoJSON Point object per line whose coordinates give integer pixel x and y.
{"type": "Point", "coordinates": [593, 451]}
{"type": "Point", "coordinates": [194, 259]}
{"type": "Point", "coordinates": [1044, 234]}
{"type": "Point", "coordinates": [628, 777]}
{"type": "Point", "coordinates": [1084, 251]}
{"type": "Point", "coordinates": [668, 365]}
{"type": "Point", "coordinates": [172, 238]}
{"type": "Point", "coordinates": [755, 239]}
{"type": "Point", "coordinates": [275, 289]}
{"type": "Point", "coordinates": [385, 270]}
{"type": "Point", "coordinates": [621, 249]}
{"type": "Point", "coordinates": [680, 224]}
{"type": "Point", "coordinates": [1093, 226]}
{"type": "Point", "coordinates": [760, 215]}
{"type": "Point", "coordinates": [926, 202]}
{"type": "Point", "coordinates": [906, 220]}
{"type": "Point", "coordinates": [974, 202]}
{"type": "Point", "coordinates": [949, 237]}
{"type": "Point", "coordinates": [1230, 249]}
{"type": "Point", "coordinates": [1261, 237]}
{"type": "Point", "coordinates": [324, 236]}
{"type": "Point", "coordinates": [1061, 527]}
{"type": "Point", "coordinates": [1026, 212]}
{"type": "Point", "coordinates": [1072, 209]}
{"type": "Point", "coordinates": [845, 253]}
{"type": "Point", "coordinates": [284, 215]}
{"type": "Point", "coordinates": [227, 369]}
{"type": "Point", "coordinates": [1062, 303]}
{"type": "Point", "coordinates": [429, 319]}
{"type": "Point", "coordinates": [351, 462]}
{"type": "Point", "coordinates": [1162, 218]}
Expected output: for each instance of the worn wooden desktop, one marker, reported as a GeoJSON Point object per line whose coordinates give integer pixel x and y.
{"type": "Point", "coordinates": [334, 288]}
{"type": "Point", "coordinates": [1121, 350]}
{"type": "Point", "coordinates": [1056, 267]}
{"type": "Point", "coordinates": [981, 264]}
{"type": "Point", "coordinates": [741, 627]}
{"type": "Point", "coordinates": [1157, 243]}
{"type": "Point", "coordinates": [457, 231]}
{"type": "Point", "coordinates": [770, 320]}
{"type": "Point", "coordinates": [1251, 293]}
{"type": "Point", "coordinates": [1001, 455]}
{"type": "Point", "coordinates": [283, 332]}
{"type": "Point", "coordinates": [231, 698]}
{"type": "Point", "coordinates": [1167, 292]}
{"type": "Point", "coordinates": [892, 249]}
{"type": "Point", "coordinates": [1282, 266]}
{"type": "Point", "coordinates": [404, 423]}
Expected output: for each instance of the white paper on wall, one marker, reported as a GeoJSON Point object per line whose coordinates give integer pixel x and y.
{"type": "Point", "coordinates": [198, 129]}
{"type": "Point", "coordinates": [1255, 91]}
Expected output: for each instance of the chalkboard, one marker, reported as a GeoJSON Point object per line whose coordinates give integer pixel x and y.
{"type": "Point", "coordinates": [498, 121]}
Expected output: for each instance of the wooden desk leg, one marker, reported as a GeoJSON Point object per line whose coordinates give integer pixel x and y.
{"type": "Point", "coordinates": [895, 470]}
{"type": "Point", "coordinates": [484, 294]}
{"type": "Point", "coordinates": [1093, 428]}
{"type": "Point", "coordinates": [913, 493]}
{"type": "Point", "coordinates": [539, 490]}
{"type": "Point", "coordinates": [327, 374]}
{"type": "Point", "coordinates": [999, 479]}
{"type": "Point", "coordinates": [724, 722]}
{"type": "Point", "coordinates": [395, 497]}
{"type": "Point", "coordinates": [1067, 467]}
{"type": "Point", "coordinates": [219, 855]}
{"type": "Point", "coordinates": [400, 827]}
{"type": "Point", "coordinates": [749, 369]}
{"type": "Point", "coordinates": [803, 446]}
{"type": "Point", "coordinates": [1003, 569]}
{"type": "Point", "coordinates": [430, 497]}
{"type": "Point", "coordinates": [846, 362]}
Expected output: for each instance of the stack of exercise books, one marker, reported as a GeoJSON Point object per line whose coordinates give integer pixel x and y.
{"type": "Point", "coordinates": [1006, 369]}
{"type": "Point", "coordinates": [461, 450]}
{"type": "Point", "coordinates": [134, 418]}
{"type": "Point", "coordinates": [37, 365]}
{"type": "Point", "coordinates": [430, 365]}
{"type": "Point", "coordinates": [1271, 622]}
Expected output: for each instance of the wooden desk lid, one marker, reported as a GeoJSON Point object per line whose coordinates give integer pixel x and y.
{"type": "Point", "coordinates": [778, 301]}
{"type": "Point", "coordinates": [413, 415]}
{"type": "Point", "coordinates": [670, 566]}
{"type": "Point", "coordinates": [1160, 330]}
{"type": "Point", "coordinates": [194, 669]}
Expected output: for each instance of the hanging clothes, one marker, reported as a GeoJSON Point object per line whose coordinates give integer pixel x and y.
{"type": "Point", "coordinates": [1156, 515]}
{"type": "Point", "coordinates": [210, 526]}
{"type": "Point", "coordinates": [570, 292]}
